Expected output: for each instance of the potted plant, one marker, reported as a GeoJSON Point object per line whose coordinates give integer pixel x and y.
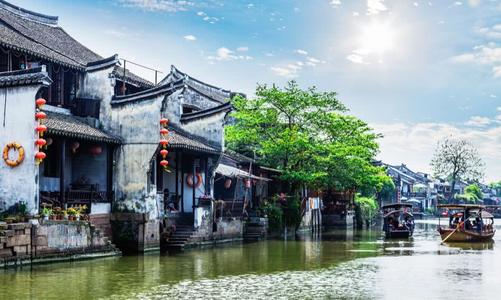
{"type": "Point", "coordinates": [65, 214]}
{"type": "Point", "coordinates": [46, 213]}
{"type": "Point", "coordinates": [57, 213]}
{"type": "Point", "coordinates": [81, 212]}
{"type": "Point", "coordinates": [72, 213]}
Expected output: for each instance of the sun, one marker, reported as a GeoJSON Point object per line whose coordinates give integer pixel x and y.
{"type": "Point", "coordinates": [377, 38]}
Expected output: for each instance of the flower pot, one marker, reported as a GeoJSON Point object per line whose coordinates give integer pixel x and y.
{"type": "Point", "coordinates": [52, 218]}
{"type": "Point", "coordinates": [71, 218]}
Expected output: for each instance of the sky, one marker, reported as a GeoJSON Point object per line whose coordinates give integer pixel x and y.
{"type": "Point", "coordinates": [416, 71]}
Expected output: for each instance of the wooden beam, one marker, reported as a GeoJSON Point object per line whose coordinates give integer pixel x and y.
{"type": "Point", "coordinates": [182, 184]}
{"type": "Point", "coordinates": [177, 178]}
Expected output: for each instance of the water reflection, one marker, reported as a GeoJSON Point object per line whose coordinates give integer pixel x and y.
{"type": "Point", "coordinates": [336, 264]}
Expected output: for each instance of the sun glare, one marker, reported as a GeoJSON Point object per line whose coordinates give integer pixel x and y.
{"type": "Point", "coordinates": [377, 38]}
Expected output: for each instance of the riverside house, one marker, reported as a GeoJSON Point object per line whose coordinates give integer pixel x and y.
{"type": "Point", "coordinates": [105, 131]}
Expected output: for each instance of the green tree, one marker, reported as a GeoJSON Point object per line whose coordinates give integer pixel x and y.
{"type": "Point", "coordinates": [308, 135]}
{"type": "Point", "coordinates": [472, 194]}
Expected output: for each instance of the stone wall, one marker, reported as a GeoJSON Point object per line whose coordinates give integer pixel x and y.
{"type": "Point", "coordinates": [17, 124]}
{"type": "Point", "coordinates": [135, 232]}
{"type": "Point", "coordinates": [26, 243]}
{"type": "Point", "coordinates": [225, 229]}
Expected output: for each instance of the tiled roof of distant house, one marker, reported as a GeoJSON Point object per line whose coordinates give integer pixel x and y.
{"type": "Point", "coordinates": [72, 127]}
{"type": "Point", "coordinates": [179, 139]}
{"type": "Point", "coordinates": [24, 77]}
{"type": "Point", "coordinates": [38, 35]}
{"type": "Point", "coordinates": [214, 93]}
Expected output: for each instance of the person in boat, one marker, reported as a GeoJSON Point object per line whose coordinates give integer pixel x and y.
{"type": "Point", "coordinates": [478, 223]}
{"type": "Point", "coordinates": [468, 225]}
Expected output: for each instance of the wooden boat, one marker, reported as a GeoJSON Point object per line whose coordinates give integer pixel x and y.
{"type": "Point", "coordinates": [467, 223]}
{"type": "Point", "coordinates": [398, 221]}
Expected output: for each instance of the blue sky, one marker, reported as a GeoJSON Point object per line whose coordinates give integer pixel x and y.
{"type": "Point", "coordinates": [415, 70]}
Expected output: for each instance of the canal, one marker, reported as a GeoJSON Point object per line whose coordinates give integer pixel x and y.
{"type": "Point", "coordinates": [340, 265]}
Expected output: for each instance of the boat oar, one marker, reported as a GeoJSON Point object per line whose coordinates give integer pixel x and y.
{"type": "Point", "coordinates": [450, 234]}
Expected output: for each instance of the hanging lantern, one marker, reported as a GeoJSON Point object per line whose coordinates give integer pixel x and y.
{"type": "Point", "coordinates": [41, 129]}
{"type": "Point", "coordinates": [40, 155]}
{"type": "Point", "coordinates": [40, 102]}
{"type": "Point", "coordinates": [164, 131]}
{"type": "Point", "coordinates": [40, 142]}
{"type": "Point", "coordinates": [164, 163]}
{"type": "Point", "coordinates": [96, 150]}
{"type": "Point", "coordinates": [227, 183]}
{"type": "Point", "coordinates": [74, 147]}
{"type": "Point", "coordinates": [164, 142]}
{"type": "Point", "coordinates": [164, 153]}
{"type": "Point", "coordinates": [40, 115]}
{"type": "Point", "coordinates": [164, 121]}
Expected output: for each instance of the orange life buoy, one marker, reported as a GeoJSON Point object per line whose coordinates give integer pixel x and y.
{"type": "Point", "coordinates": [189, 180]}
{"type": "Point", "coordinates": [20, 154]}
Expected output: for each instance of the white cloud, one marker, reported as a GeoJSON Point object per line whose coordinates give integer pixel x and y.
{"type": "Point", "coordinates": [158, 5]}
{"type": "Point", "coordinates": [190, 37]}
{"type": "Point", "coordinates": [458, 3]}
{"type": "Point", "coordinates": [302, 52]}
{"type": "Point", "coordinates": [356, 58]}
{"type": "Point", "coordinates": [485, 55]}
{"type": "Point", "coordinates": [414, 144]}
{"type": "Point", "coordinates": [225, 54]}
{"type": "Point", "coordinates": [284, 71]}
{"type": "Point", "coordinates": [493, 32]}
{"type": "Point", "coordinates": [478, 121]}
{"type": "Point", "coordinates": [116, 33]}
{"type": "Point", "coordinates": [374, 7]}
{"type": "Point", "coordinates": [335, 3]}
{"type": "Point", "coordinates": [355, 14]}
{"type": "Point", "coordinates": [243, 49]}
{"type": "Point", "coordinates": [474, 3]}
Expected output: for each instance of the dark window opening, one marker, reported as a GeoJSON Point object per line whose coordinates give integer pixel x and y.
{"type": "Point", "coordinates": [189, 109]}
{"type": "Point", "coordinates": [51, 167]}
{"type": "Point", "coordinates": [129, 88]}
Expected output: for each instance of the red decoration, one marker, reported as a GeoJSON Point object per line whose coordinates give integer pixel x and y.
{"type": "Point", "coordinates": [40, 102]}
{"type": "Point", "coordinates": [40, 155]}
{"type": "Point", "coordinates": [96, 150]}
{"type": "Point", "coordinates": [164, 131]}
{"type": "Point", "coordinates": [164, 153]}
{"type": "Point", "coordinates": [164, 121]}
{"type": "Point", "coordinates": [164, 142]}
{"type": "Point", "coordinates": [41, 129]}
{"type": "Point", "coordinates": [164, 163]}
{"type": "Point", "coordinates": [40, 142]}
{"type": "Point", "coordinates": [40, 115]}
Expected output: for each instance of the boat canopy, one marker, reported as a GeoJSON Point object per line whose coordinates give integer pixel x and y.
{"type": "Point", "coordinates": [397, 211]}
{"type": "Point", "coordinates": [461, 206]}
{"type": "Point", "coordinates": [397, 205]}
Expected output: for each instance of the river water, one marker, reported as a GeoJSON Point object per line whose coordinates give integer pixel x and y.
{"type": "Point", "coordinates": [338, 265]}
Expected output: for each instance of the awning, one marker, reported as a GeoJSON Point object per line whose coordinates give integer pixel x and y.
{"type": "Point", "coordinates": [230, 171]}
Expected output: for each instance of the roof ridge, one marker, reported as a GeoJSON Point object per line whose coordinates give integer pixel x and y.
{"type": "Point", "coordinates": [29, 14]}
{"type": "Point", "coordinates": [176, 70]}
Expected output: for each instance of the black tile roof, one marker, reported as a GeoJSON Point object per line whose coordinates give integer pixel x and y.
{"type": "Point", "coordinates": [179, 139]}
{"type": "Point", "coordinates": [38, 35]}
{"type": "Point", "coordinates": [70, 126]}
{"type": "Point", "coordinates": [24, 77]}
{"type": "Point", "coordinates": [188, 117]}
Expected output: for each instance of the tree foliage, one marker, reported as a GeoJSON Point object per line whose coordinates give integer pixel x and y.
{"type": "Point", "coordinates": [472, 194]}
{"type": "Point", "coordinates": [457, 159]}
{"type": "Point", "coordinates": [308, 135]}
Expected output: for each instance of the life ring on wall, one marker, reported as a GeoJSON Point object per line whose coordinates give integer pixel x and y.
{"type": "Point", "coordinates": [189, 180]}
{"type": "Point", "coordinates": [20, 154]}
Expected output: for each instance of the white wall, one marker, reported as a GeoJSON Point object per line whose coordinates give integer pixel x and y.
{"type": "Point", "coordinates": [18, 125]}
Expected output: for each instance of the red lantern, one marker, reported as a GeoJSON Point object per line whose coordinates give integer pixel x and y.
{"type": "Point", "coordinates": [164, 121]}
{"type": "Point", "coordinates": [164, 163]}
{"type": "Point", "coordinates": [95, 150]}
{"type": "Point", "coordinates": [164, 142]}
{"type": "Point", "coordinates": [227, 183]}
{"type": "Point", "coordinates": [40, 155]}
{"type": "Point", "coordinates": [40, 142]}
{"type": "Point", "coordinates": [40, 115]}
{"type": "Point", "coordinates": [164, 153]}
{"type": "Point", "coordinates": [164, 131]}
{"type": "Point", "coordinates": [40, 102]}
{"type": "Point", "coordinates": [41, 129]}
